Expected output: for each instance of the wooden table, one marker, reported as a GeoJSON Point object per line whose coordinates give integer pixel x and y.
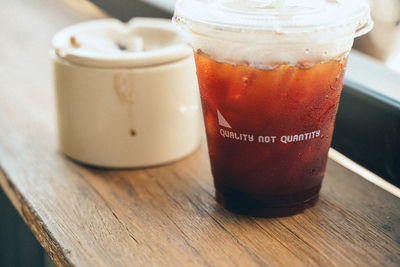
{"type": "Point", "coordinates": [165, 215]}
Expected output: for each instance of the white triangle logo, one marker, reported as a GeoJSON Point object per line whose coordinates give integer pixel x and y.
{"type": "Point", "coordinates": [222, 121]}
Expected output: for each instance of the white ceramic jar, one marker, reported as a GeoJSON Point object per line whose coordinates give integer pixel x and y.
{"type": "Point", "coordinates": [126, 93]}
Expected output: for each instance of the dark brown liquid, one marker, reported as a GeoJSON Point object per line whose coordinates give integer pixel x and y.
{"type": "Point", "coordinates": [265, 175]}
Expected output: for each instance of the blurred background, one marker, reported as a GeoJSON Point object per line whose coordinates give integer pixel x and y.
{"type": "Point", "coordinates": [368, 124]}
{"type": "Point", "coordinates": [382, 43]}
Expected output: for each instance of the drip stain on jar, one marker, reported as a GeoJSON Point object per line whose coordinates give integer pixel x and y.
{"type": "Point", "coordinates": [122, 86]}
{"type": "Point", "coordinates": [132, 132]}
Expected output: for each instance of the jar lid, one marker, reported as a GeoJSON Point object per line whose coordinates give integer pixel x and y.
{"type": "Point", "coordinates": [109, 43]}
{"type": "Point", "coordinates": [279, 16]}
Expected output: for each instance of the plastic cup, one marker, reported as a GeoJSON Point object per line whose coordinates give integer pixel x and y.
{"type": "Point", "coordinates": [270, 76]}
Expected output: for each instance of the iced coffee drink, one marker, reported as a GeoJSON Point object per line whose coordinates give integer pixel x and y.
{"type": "Point", "coordinates": [270, 75]}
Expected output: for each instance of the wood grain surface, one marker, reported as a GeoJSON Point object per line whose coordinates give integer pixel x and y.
{"type": "Point", "coordinates": [164, 216]}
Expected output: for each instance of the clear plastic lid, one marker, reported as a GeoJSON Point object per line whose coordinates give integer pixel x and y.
{"type": "Point", "coordinates": [279, 16]}
{"type": "Point", "coordinates": [266, 33]}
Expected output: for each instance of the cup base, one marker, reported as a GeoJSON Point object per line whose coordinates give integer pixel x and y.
{"type": "Point", "coordinates": [269, 206]}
